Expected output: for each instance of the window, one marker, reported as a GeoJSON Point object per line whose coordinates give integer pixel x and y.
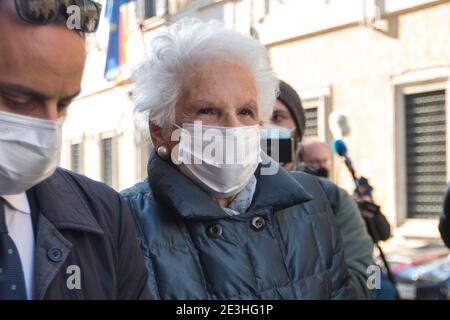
{"type": "Point", "coordinates": [426, 156]}
{"type": "Point", "coordinates": [151, 8]}
{"type": "Point", "coordinates": [311, 127]}
{"type": "Point", "coordinates": [317, 104]}
{"type": "Point", "coordinates": [108, 161]}
{"type": "Point", "coordinates": [420, 115]}
{"type": "Point", "coordinates": [75, 157]}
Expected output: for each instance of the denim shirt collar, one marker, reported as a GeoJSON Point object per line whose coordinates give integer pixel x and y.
{"type": "Point", "coordinates": [243, 199]}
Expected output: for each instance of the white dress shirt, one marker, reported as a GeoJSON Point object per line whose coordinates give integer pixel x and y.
{"type": "Point", "coordinates": [20, 229]}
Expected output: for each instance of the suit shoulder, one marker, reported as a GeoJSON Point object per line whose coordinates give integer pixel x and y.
{"type": "Point", "coordinates": [85, 183]}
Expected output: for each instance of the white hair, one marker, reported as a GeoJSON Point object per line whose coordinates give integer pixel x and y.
{"type": "Point", "coordinates": [160, 78]}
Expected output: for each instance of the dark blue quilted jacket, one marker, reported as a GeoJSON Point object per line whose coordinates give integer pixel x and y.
{"type": "Point", "coordinates": [283, 247]}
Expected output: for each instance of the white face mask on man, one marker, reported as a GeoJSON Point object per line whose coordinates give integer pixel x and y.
{"type": "Point", "coordinates": [219, 159]}
{"type": "Point", "coordinates": [30, 150]}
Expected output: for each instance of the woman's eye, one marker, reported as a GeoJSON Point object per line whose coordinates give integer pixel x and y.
{"type": "Point", "coordinates": [207, 111]}
{"type": "Point", "coordinates": [247, 112]}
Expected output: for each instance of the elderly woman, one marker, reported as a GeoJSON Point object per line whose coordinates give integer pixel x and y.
{"type": "Point", "coordinates": [215, 224]}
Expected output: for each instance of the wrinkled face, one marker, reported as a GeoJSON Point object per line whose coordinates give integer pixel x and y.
{"type": "Point", "coordinates": [219, 94]}
{"type": "Point", "coordinates": [281, 116]}
{"type": "Point", "coordinates": [40, 66]}
{"type": "Point", "coordinates": [316, 155]}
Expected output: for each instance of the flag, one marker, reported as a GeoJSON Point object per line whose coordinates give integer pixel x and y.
{"type": "Point", "coordinates": [116, 57]}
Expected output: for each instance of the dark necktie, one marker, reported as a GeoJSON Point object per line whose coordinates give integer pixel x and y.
{"type": "Point", "coordinates": [12, 282]}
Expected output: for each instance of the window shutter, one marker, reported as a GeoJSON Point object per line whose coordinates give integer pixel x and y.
{"type": "Point", "coordinates": [426, 153]}
{"type": "Point", "coordinates": [311, 128]}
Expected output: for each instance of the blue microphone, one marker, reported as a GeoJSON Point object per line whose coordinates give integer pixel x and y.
{"type": "Point", "coordinates": [340, 149]}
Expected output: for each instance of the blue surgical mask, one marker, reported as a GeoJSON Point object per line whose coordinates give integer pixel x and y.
{"type": "Point", "coordinates": [272, 131]}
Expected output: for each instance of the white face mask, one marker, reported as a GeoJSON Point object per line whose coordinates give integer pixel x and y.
{"type": "Point", "coordinates": [30, 150]}
{"type": "Point", "coordinates": [219, 159]}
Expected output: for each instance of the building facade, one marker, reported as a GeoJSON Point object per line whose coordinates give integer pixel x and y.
{"type": "Point", "coordinates": [384, 64]}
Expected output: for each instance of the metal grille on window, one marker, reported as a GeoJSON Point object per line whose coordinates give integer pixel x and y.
{"type": "Point", "coordinates": [75, 157]}
{"type": "Point", "coordinates": [426, 153]}
{"type": "Point", "coordinates": [311, 116]}
{"type": "Point", "coordinates": [107, 161]}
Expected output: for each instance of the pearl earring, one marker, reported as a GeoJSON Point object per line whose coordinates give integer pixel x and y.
{"type": "Point", "coordinates": [163, 152]}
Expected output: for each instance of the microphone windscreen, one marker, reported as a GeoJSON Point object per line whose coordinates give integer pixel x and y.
{"type": "Point", "coordinates": [339, 147]}
{"type": "Point", "coordinates": [338, 125]}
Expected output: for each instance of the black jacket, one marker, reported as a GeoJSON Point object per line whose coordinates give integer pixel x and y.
{"type": "Point", "coordinates": [283, 247]}
{"type": "Point", "coordinates": [444, 225]}
{"type": "Point", "coordinates": [84, 232]}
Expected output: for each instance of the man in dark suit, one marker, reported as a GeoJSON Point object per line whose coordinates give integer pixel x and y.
{"type": "Point", "coordinates": [62, 235]}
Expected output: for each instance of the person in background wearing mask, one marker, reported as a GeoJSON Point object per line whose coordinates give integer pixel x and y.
{"type": "Point", "coordinates": [213, 224]}
{"type": "Point", "coordinates": [358, 246]}
{"type": "Point", "coordinates": [315, 156]}
{"type": "Point", "coordinates": [62, 235]}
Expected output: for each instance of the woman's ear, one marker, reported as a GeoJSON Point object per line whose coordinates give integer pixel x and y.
{"type": "Point", "coordinates": [156, 134]}
{"type": "Point", "coordinates": [161, 136]}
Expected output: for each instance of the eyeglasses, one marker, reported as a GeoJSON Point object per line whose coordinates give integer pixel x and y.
{"type": "Point", "coordinates": [47, 11]}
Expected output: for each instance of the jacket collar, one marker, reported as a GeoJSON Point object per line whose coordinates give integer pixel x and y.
{"type": "Point", "coordinates": [61, 203]}
{"type": "Point", "coordinates": [279, 190]}
{"type": "Point", "coordinates": [178, 192]}
{"type": "Point", "coordinates": [170, 186]}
